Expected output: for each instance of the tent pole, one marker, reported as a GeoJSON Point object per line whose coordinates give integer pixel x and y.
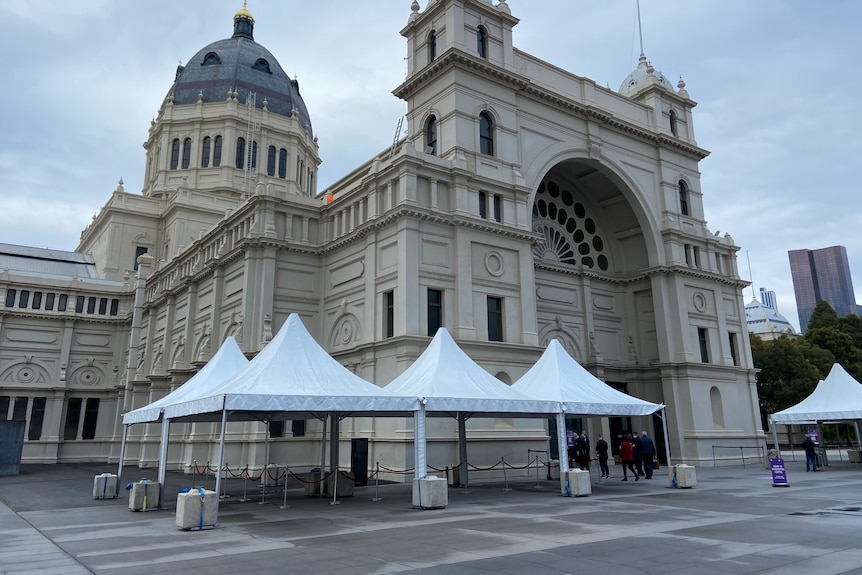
{"type": "Point", "coordinates": [333, 447]}
{"type": "Point", "coordinates": [266, 455]}
{"type": "Point", "coordinates": [775, 438]}
{"type": "Point", "coordinates": [561, 443]}
{"type": "Point", "coordinates": [856, 425]}
{"type": "Point", "coordinates": [420, 468]}
{"type": "Point", "coordinates": [322, 457]}
{"type": "Point", "coordinates": [666, 436]}
{"type": "Point", "coordinates": [123, 456]}
{"type": "Point", "coordinates": [220, 462]}
{"type": "Point", "coordinates": [163, 459]}
{"type": "Point", "coordinates": [462, 446]}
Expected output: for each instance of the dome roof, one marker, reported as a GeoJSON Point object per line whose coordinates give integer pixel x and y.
{"type": "Point", "coordinates": [765, 320]}
{"type": "Point", "coordinates": [637, 80]}
{"type": "Point", "coordinates": [242, 65]}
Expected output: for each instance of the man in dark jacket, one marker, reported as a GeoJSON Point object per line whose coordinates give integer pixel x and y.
{"type": "Point", "coordinates": [647, 453]}
{"type": "Point", "coordinates": [602, 453]}
{"type": "Point", "coordinates": [810, 454]}
{"type": "Point", "coordinates": [636, 453]}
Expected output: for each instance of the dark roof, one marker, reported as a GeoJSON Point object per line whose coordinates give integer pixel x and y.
{"type": "Point", "coordinates": [239, 63]}
{"type": "Point", "coordinates": [47, 261]}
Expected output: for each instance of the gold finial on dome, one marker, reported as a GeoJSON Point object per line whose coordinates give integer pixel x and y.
{"type": "Point", "coordinates": [243, 12]}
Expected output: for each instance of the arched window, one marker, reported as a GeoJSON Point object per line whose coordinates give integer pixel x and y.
{"type": "Point", "coordinates": [175, 154]}
{"type": "Point", "coordinates": [683, 198]}
{"type": "Point", "coordinates": [270, 161]}
{"type": "Point", "coordinates": [217, 152]}
{"type": "Point", "coordinates": [717, 408]}
{"type": "Point", "coordinates": [187, 153]}
{"type": "Point", "coordinates": [205, 152]}
{"type": "Point", "coordinates": [483, 205]}
{"type": "Point", "coordinates": [486, 134]}
{"type": "Point", "coordinates": [432, 46]}
{"type": "Point", "coordinates": [282, 163]}
{"type": "Point", "coordinates": [672, 116]}
{"type": "Point", "coordinates": [431, 136]}
{"type": "Point", "coordinates": [482, 42]}
{"type": "Point", "coordinates": [240, 153]}
{"type": "Point", "coordinates": [253, 155]}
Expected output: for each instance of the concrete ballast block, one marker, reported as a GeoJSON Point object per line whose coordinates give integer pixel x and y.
{"type": "Point", "coordinates": [105, 486]}
{"type": "Point", "coordinates": [194, 511]}
{"type": "Point", "coordinates": [579, 484]}
{"type": "Point", "coordinates": [144, 495]}
{"type": "Point", "coordinates": [686, 476]}
{"type": "Point", "coordinates": [430, 492]}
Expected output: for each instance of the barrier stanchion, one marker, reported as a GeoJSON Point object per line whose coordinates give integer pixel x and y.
{"type": "Point", "coordinates": [224, 482]}
{"type": "Point", "coordinates": [335, 500]}
{"type": "Point", "coordinates": [207, 476]}
{"type": "Point", "coordinates": [376, 483]}
{"type": "Point", "coordinates": [245, 486]}
{"type": "Point", "coordinates": [538, 485]}
{"type": "Point", "coordinates": [284, 504]}
{"type": "Point", "coordinates": [263, 484]}
{"type": "Point", "coordinates": [194, 473]}
{"type": "Point", "coordinates": [505, 477]}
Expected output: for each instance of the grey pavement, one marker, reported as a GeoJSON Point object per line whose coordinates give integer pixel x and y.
{"type": "Point", "coordinates": [732, 522]}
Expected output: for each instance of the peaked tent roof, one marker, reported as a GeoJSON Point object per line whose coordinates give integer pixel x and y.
{"type": "Point", "coordinates": [558, 377]}
{"type": "Point", "coordinates": [450, 381]}
{"type": "Point", "coordinates": [227, 361]}
{"type": "Point", "coordinates": [839, 396]}
{"type": "Point", "coordinates": [294, 374]}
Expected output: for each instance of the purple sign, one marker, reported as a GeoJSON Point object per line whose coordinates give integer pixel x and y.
{"type": "Point", "coordinates": [779, 474]}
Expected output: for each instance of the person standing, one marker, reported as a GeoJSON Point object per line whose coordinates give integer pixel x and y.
{"type": "Point", "coordinates": [636, 453]}
{"type": "Point", "coordinates": [647, 453]}
{"type": "Point", "coordinates": [602, 453]}
{"type": "Point", "coordinates": [810, 454]}
{"type": "Point", "coordinates": [583, 453]}
{"type": "Point", "coordinates": [626, 458]}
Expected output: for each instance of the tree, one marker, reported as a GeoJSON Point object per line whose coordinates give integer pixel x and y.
{"type": "Point", "coordinates": [822, 316]}
{"type": "Point", "coordinates": [789, 370]}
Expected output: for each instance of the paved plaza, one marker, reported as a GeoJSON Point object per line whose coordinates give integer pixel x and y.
{"type": "Point", "coordinates": [732, 522]}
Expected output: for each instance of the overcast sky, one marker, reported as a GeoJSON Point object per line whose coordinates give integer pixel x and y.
{"type": "Point", "coordinates": [777, 84]}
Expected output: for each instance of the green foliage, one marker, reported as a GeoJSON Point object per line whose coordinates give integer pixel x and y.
{"type": "Point", "coordinates": [822, 316]}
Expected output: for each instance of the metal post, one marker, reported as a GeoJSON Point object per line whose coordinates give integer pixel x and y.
{"type": "Point", "coordinates": [775, 439]}
{"type": "Point", "coordinates": [377, 483]}
{"type": "Point", "coordinates": [335, 500]}
{"type": "Point", "coordinates": [122, 457]}
{"type": "Point", "coordinates": [194, 473]}
{"type": "Point", "coordinates": [207, 475]}
{"type": "Point", "coordinates": [220, 460]}
{"type": "Point", "coordinates": [462, 447]}
{"type": "Point", "coordinates": [505, 479]}
{"type": "Point", "coordinates": [538, 486]}
{"type": "Point", "coordinates": [163, 459]}
{"type": "Point", "coordinates": [284, 504]}
{"type": "Point", "coordinates": [245, 486]}
{"type": "Point", "coordinates": [663, 416]}
{"type": "Point", "coordinates": [322, 457]}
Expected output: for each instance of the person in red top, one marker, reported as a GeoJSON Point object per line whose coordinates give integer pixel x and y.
{"type": "Point", "coordinates": [626, 458]}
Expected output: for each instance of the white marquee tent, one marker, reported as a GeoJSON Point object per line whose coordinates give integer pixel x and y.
{"type": "Point", "coordinates": [558, 377]}
{"type": "Point", "coordinates": [836, 398]}
{"type": "Point", "coordinates": [448, 382]}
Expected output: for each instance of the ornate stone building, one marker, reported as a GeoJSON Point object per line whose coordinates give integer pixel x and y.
{"type": "Point", "coordinates": [526, 203]}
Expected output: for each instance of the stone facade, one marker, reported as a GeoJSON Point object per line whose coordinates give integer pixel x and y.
{"type": "Point", "coordinates": [525, 204]}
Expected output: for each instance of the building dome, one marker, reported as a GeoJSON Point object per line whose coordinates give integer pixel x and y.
{"type": "Point", "coordinates": [241, 65]}
{"type": "Point", "coordinates": [638, 79]}
{"type": "Point", "coordinates": [766, 322]}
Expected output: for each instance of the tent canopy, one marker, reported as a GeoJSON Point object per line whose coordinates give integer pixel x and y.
{"type": "Point", "coordinates": [449, 381]}
{"type": "Point", "coordinates": [558, 377]}
{"type": "Point", "coordinates": [227, 361]}
{"type": "Point", "coordinates": [292, 374]}
{"type": "Point", "coordinates": [837, 397]}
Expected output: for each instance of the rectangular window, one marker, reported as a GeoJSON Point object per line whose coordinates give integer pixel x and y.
{"type": "Point", "coordinates": [687, 248]}
{"type": "Point", "coordinates": [115, 304]}
{"type": "Point", "coordinates": [282, 163]}
{"type": "Point", "coordinates": [703, 341]}
{"type": "Point", "coordinates": [61, 302]}
{"type": "Point", "coordinates": [103, 306]}
{"type": "Point", "coordinates": [435, 311]}
{"type": "Point", "coordinates": [139, 251]}
{"type": "Point", "coordinates": [297, 427]}
{"type": "Point", "coordinates": [73, 417]}
{"type": "Point", "coordinates": [19, 411]}
{"type": "Point", "coordinates": [37, 416]}
{"type": "Point", "coordinates": [388, 314]}
{"type": "Point", "coordinates": [495, 318]}
{"type": "Point", "coordinates": [483, 205]}
{"type": "Point", "coordinates": [205, 153]}
{"type": "Point", "coordinates": [732, 341]}
{"type": "Point", "coordinates": [498, 208]}
{"type": "Point", "coordinates": [4, 407]}
{"type": "Point", "coordinates": [10, 297]}
{"type": "Point", "coordinates": [24, 299]}
{"type": "Point", "coordinates": [91, 305]}
{"type": "Point", "coordinates": [718, 263]}
{"type": "Point", "coordinates": [217, 152]}
{"type": "Point", "coordinates": [49, 301]}
{"type": "Point", "coordinates": [91, 416]}
{"type": "Point", "coordinates": [696, 251]}
{"type": "Point", "coordinates": [276, 429]}
{"type": "Point", "coordinates": [37, 300]}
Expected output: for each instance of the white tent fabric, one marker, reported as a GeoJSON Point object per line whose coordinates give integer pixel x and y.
{"type": "Point", "coordinates": [227, 361]}
{"type": "Point", "coordinates": [294, 374]}
{"type": "Point", "coordinates": [837, 397]}
{"type": "Point", "coordinates": [558, 377]}
{"type": "Point", "coordinates": [449, 381]}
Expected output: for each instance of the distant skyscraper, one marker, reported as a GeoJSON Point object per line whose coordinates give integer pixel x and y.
{"type": "Point", "coordinates": [767, 298]}
{"type": "Point", "coordinates": [821, 275]}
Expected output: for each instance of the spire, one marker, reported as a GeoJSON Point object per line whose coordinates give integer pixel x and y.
{"type": "Point", "coordinates": [243, 23]}
{"type": "Point", "coordinates": [640, 32]}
